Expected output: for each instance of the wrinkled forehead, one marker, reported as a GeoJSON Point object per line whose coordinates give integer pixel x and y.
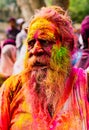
{"type": "Point", "coordinates": [42, 28]}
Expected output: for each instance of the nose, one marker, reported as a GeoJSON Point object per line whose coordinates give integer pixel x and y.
{"type": "Point", "coordinates": [37, 49]}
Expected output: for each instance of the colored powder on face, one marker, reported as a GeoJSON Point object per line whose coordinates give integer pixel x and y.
{"type": "Point", "coordinates": [60, 57]}
{"type": "Point", "coordinates": [42, 29]}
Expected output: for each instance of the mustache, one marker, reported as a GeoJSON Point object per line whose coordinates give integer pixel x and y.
{"type": "Point", "coordinates": [39, 54]}
{"type": "Point", "coordinates": [42, 60]}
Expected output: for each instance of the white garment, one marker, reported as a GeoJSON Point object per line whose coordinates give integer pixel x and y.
{"type": "Point", "coordinates": [8, 57]}
{"type": "Point", "coordinates": [81, 41]}
{"type": "Point", "coordinates": [19, 64]}
{"type": "Point", "coordinates": [20, 38]}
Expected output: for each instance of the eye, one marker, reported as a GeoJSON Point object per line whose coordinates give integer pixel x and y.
{"type": "Point", "coordinates": [44, 42]}
{"type": "Point", "coordinates": [31, 43]}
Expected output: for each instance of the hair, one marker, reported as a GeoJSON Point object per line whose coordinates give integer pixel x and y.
{"type": "Point", "coordinates": [61, 20]}
{"type": "Point", "coordinates": [12, 19]}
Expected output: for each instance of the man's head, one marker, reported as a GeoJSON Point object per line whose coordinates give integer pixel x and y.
{"type": "Point", "coordinates": [50, 38]}
{"type": "Point", "coordinates": [20, 22]}
{"type": "Point", "coordinates": [12, 22]}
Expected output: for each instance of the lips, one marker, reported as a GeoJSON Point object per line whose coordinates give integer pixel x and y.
{"type": "Point", "coordinates": [39, 64]}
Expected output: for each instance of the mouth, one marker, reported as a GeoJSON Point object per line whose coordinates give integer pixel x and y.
{"type": "Point", "coordinates": [39, 64]}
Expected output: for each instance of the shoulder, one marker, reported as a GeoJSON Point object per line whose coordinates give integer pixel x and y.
{"type": "Point", "coordinates": [11, 83]}
{"type": "Point", "coordinates": [7, 49]}
{"type": "Point", "coordinates": [81, 73]}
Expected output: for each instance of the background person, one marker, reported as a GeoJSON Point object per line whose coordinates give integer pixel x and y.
{"type": "Point", "coordinates": [8, 58]}
{"type": "Point", "coordinates": [12, 30]}
{"type": "Point", "coordinates": [82, 55]}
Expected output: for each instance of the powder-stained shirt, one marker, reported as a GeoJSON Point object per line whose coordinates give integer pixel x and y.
{"type": "Point", "coordinates": [21, 109]}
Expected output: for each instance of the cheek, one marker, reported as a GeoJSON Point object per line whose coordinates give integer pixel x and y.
{"type": "Point", "coordinates": [48, 49]}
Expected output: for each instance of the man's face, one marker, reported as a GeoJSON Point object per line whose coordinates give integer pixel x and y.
{"type": "Point", "coordinates": [40, 41]}
{"type": "Point", "coordinates": [44, 51]}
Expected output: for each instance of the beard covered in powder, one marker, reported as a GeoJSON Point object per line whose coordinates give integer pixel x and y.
{"type": "Point", "coordinates": [50, 76]}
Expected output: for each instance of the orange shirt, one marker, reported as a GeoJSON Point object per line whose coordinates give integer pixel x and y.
{"type": "Point", "coordinates": [21, 109]}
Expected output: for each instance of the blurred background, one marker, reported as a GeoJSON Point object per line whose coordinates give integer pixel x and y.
{"type": "Point", "coordinates": [77, 9]}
